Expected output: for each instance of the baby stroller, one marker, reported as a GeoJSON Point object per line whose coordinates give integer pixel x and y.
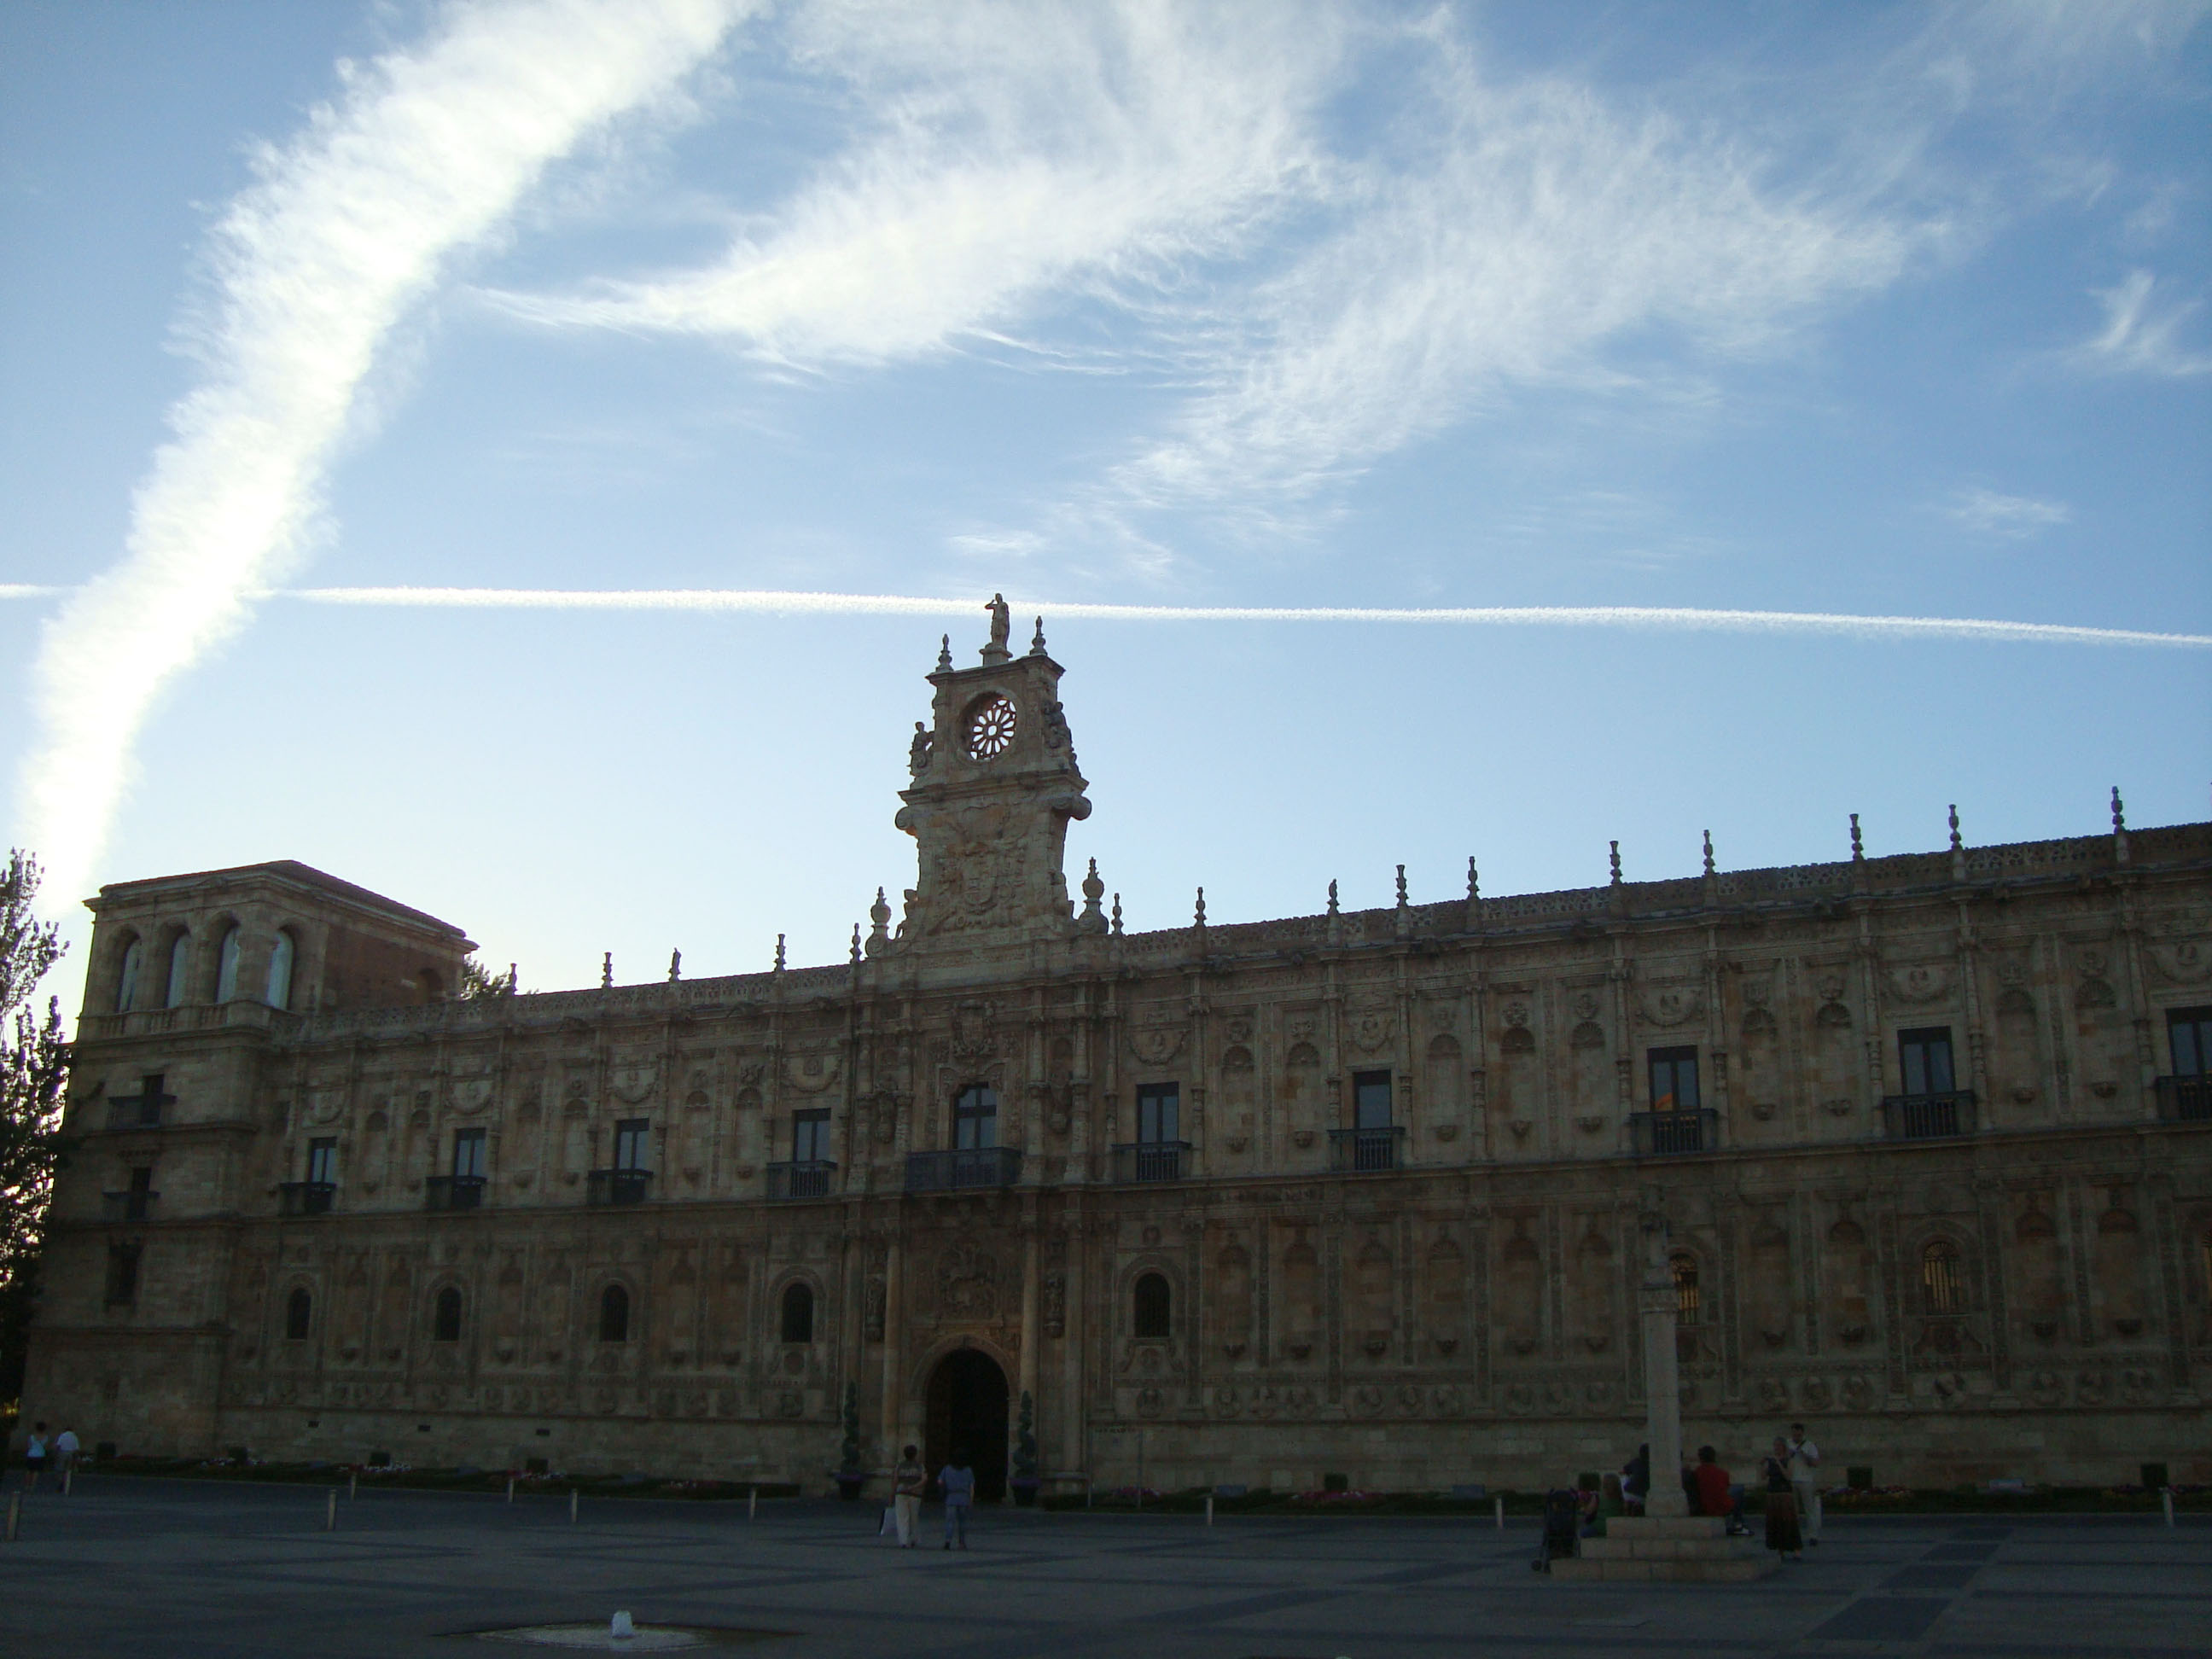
{"type": "Point", "coordinates": [1563, 1512]}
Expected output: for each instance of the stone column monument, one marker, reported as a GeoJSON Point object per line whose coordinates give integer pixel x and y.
{"type": "Point", "coordinates": [1662, 1389]}
{"type": "Point", "coordinates": [1666, 1542]}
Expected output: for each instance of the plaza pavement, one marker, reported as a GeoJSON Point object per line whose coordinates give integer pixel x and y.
{"type": "Point", "coordinates": [192, 1570]}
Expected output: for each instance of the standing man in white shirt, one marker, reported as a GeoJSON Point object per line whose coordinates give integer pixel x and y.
{"type": "Point", "coordinates": [66, 1447]}
{"type": "Point", "coordinates": [1805, 1481]}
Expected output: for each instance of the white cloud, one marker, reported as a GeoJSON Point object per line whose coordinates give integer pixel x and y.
{"type": "Point", "coordinates": [2140, 336]}
{"type": "Point", "coordinates": [427, 152]}
{"type": "Point", "coordinates": [1988, 513]}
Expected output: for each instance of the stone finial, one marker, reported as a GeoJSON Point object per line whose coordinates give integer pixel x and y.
{"type": "Point", "coordinates": [778, 953]}
{"type": "Point", "coordinates": [1474, 882]}
{"type": "Point", "coordinates": [511, 977]}
{"type": "Point", "coordinates": [1200, 921]}
{"type": "Point", "coordinates": [607, 972]}
{"type": "Point", "coordinates": [1037, 639]}
{"type": "Point", "coordinates": [1956, 843]}
{"type": "Point", "coordinates": [675, 966]}
{"type": "Point", "coordinates": [1332, 898]}
{"type": "Point", "coordinates": [2119, 813]}
{"type": "Point", "coordinates": [856, 945]}
{"type": "Point", "coordinates": [1093, 919]}
{"type": "Point", "coordinates": [1709, 852]}
{"type": "Point", "coordinates": [1401, 887]}
{"type": "Point", "coordinates": [879, 923]}
{"type": "Point", "coordinates": [1616, 864]}
{"type": "Point", "coordinates": [944, 654]}
{"type": "Point", "coordinates": [1858, 844]}
{"type": "Point", "coordinates": [1117, 916]}
{"type": "Point", "coordinates": [1958, 848]}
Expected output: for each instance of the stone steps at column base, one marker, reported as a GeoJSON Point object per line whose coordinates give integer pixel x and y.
{"type": "Point", "coordinates": [1679, 1570]}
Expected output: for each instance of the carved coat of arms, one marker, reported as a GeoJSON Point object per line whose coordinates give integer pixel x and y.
{"type": "Point", "coordinates": [632, 1076]}
{"type": "Point", "coordinates": [967, 1282]}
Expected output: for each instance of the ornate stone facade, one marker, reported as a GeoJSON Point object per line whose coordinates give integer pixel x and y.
{"type": "Point", "coordinates": [1355, 1192]}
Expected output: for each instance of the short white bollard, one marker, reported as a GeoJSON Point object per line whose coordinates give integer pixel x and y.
{"type": "Point", "coordinates": [510, 1489]}
{"type": "Point", "coordinates": [620, 1628]}
{"type": "Point", "coordinates": [1501, 1515]}
{"type": "Point", "coordinates": [330, 1512]}
{"type": "Point", "coordinates": [353, 1486]}
{"type": "Point", "coordinates": [2167, 1493]}
{"type": "Point", "coordinates": [68, 1475]}
{"type": "Point", "coordinates": [752, 1501]}
{"type": "Point", "coordinates": [1209, 1509]}
{"type": "Point", "coordinates": [572, 1502]}
{"type": "Point", "coordinates": [15, 1514]}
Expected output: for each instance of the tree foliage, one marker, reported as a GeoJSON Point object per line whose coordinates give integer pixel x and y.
{"type": "Point", "coordinates": [479, 980]}
{"type": "Point", "coordinates": [33, 1072]}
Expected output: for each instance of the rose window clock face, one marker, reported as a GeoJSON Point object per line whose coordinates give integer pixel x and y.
{"type": "Point", "coordinates": [990, 727]}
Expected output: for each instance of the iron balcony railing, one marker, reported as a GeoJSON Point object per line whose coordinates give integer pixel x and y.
{"type": "Point", "coordinates": [305, 1197]}
{"type": "Point", "coordinates": [618, 1185]}
{"type": "Point", "coordinates": [1358, 1151]}
{"type": "Point", "coordinates": [1674, 1134]}
{"type": "Point", "coordinates": [979, 1166]}
{"type": "Point", "coordinates": [802, 1177]}
{"type": "Point", "coordinates": [129, 1207]}
{"type": "Point", "coordinates": [1929, 1117]}
{"type": "Point", "coordinates": [2185, 1099]}
{"type": "Point", "coordinates": [133, 1113]}
{"type": "Point", "coordinates": [1150, 1160]}
{"type": "Point", "coordinates": [454, 1192]}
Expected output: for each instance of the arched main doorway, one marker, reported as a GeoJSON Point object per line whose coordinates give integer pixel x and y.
{"type": "Point", "coordinates": [967, 1412]}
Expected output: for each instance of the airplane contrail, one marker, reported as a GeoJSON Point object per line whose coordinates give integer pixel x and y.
{"type": "Point", "coordinates": [714, 599]}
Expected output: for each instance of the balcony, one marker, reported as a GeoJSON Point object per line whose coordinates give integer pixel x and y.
{"type": "Point", "coordinates": [2185, 1099]}
{"type": "Point", "coordinates": [945, 1172]}
{"type": "Point", "coordinates": [133, 1112]}
{"type": "Point", "coordinates": [1929, 1117]}
{"type": "Point", "coordinates": [618, 1185]}
{"type": "Point", "coordinates": [1362, 1151]}
{"type": "Point", "coordinates": [128, 1207]}
{"type": "Point", "coordinates": [305, 1197]}
{"type": "Point", "coordinates": [454, 1192]}
{"type": "Point", "coordinates": [1674, 1134]}
{"type": "Point", "coordinates": [812, 1177]}
{"type": "Point", "coordinates": [1150, 1160]}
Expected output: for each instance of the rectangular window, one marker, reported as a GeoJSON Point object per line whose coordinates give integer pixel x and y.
{"type": "Point", "coordinates": [1159, 1112]}
{"type": "Point", "coordinates": [323, 1162]}
{"type": "Point", "coordinates": [468, 1154]}
{"type": "Point", "coordinates": [1673, 1079]}
{"type": "Point", "coordinates": [1370, 1100]}
{"type": "Point", "coordinates": [976, 1120]}
{"type": "Point", "coordinates": [2188, 1033]}
{"type": "Point", "coordinates": [1924, 1057]}
{"type": "Point", "coordinates": [122, 1273]}
{"type": "Point", "coordinates": [151, 1098]}
{"type": "Point", "coordinates": [810, 1137]}
{"type": "Point", "coordinates": [632, 1136]}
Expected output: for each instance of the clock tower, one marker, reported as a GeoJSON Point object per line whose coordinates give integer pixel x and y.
{"type": "Point", "coordinates": [995, 784]}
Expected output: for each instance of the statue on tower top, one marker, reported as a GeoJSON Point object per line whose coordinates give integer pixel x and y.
{"type": "Point", "coordinates": [1001, 625]}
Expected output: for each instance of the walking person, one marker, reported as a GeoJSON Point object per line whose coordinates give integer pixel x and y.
{"type": "Point", "coordinates": [959, 1481]}
{"type": "Point", "coordinates": [34, 1457]}
{"type": "Point", "coordinates": [65, 1454]}
{"type": "Point", "coordinates": [908, 1478]}
{"type": "Point", "coordinates": [1783, 1536]}
{"type": "Point", "coordinates": [1805, 1482]}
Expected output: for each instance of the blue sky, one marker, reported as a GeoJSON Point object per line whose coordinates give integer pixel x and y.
{"type": "Point", "coordinates": [1889, 311]}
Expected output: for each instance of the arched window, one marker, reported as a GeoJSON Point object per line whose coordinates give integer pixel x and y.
{"type": "Point", "coordinates": [1687, 1304]}
{"type": "Point", "coordinates": [226, 965]}
{"type": "Point", "coordinates": [181, 963]}
{"type": "Point", "coordinates": [446, 1326]}
{"type": "Point", "coordinates": [614, 1314]}
{"type": "Point", "coordinates": [279, 987]}
{"type": "Point", "coordinates": [1943, 1285]}
{"type": "Point", "coordinates": [976, 1118]}
{"type": "Point", "coordinates": [1155, 1306]}
{"type": "Point", "coordinates": [126, 980]}
{"type": "Point", "coordinates": [799, 1313]}
{"type": "Point", "coordinates": [299, 1314]}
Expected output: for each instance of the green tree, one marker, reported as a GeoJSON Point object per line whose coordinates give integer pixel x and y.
{"type": "Point", "coordinates": [33, 1072]}
{"type": "Point", "coordinates": [479, 980]}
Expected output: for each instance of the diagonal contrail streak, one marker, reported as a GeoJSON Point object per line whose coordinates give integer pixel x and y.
{"type": "Point", "coordinates": [1676, 618]}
